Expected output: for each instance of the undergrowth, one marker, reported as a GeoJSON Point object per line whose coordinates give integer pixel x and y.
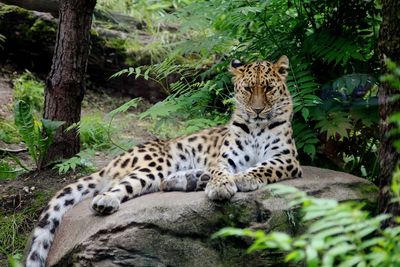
{"type": "Point", "coordinates": [15, 227]}
{"type": "Point", "coordinates": [337, 234]}
{"type": "Point", "coordinates": [30, 90]}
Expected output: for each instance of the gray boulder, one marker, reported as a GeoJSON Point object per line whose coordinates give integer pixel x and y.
{"type": "Point", "coordinates": [174, 229]}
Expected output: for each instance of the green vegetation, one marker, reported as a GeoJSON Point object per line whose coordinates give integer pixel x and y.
{"type": "Point", "coordinates": [332, 77]}
{"type": "Point", "coordinates": [338, 234]}
{"type": "Point", "coordinates": [37, 135]}
{"type": "Point", "coordinates": [15, 227]}
{"type": "Point", "coordinates": [93, 130]}
{"type": "Point", "coordinates": [30, 90]}
{"type": "Point", "coordinates": [81, 160]}
{"type": "Point", "coordinates": [2, 40]}
{"type": "Point", "coordinates": [8, 132]}
{"type": "Point", "coordinates": [8, 170]}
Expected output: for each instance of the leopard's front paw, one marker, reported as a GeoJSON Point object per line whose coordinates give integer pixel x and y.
{"type": "Point", "coordinates": [105, 204]}
{"type": "Point", "coordinates": [245, 184]}
{"type": "Point", "coordinates": [191, 180]}
{"type": "Point", "coordinates": [220, 190]}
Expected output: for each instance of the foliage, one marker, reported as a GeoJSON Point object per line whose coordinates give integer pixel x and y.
{"type": "Point", "coordinates": [183, 122]}
{"type": "Point", "coordinates": [96, 133]}
{"type": "Point", "coordinates": [37, 135]}
{"type": "Point", "coordinates": [331, 49]}
{"type": "Point", "coordinates": [2, 40]}
{"type": "Point", "coordinates": [8, 132]}
{"type": "Point", "coordinates": [393, 79]}
{"type": "Point", "coordinates": [146, 11]}
{"type": "Point", "coordinates": [339, 234]}
{"type": "Point", "coordinates": [30, 90]}
{"type": "Point", "coordinates": [80, 160]}
{"type": "Point", "coordinates": [149, 40]}
{"type": "Point", "coordinates": [15, 227]}
{"type": "Point", "coordinates": [133, 103]}
{"type": "Point", "coordinates": [8, 170]}
{"type": "Point", "coordinates": [93, 132]}
{"type": "Point", "coordinates": [15, 260]}
{"type": "Point", "coordinates": [11, 242]}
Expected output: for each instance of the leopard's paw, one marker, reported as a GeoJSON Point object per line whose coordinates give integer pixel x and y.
{"type": "Point", "coordinates": [202, 180]}
{"type": "Point", "coordinates": [191, 180]}
{"type": "Point", "coordinates": [105, 204]}
{"type": "Point", "coordinates": [245, 184]}
{"type": "Point", "coordinates": [220, 190]}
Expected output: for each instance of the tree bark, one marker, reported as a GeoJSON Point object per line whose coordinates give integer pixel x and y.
{"type": "Point", "coordinates": [389, 46]}
{"type": "Point", "coordinates": [65, 84]}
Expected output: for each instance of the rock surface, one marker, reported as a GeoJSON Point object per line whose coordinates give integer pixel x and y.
{"type": "Point", "coordinates": [174, 229]}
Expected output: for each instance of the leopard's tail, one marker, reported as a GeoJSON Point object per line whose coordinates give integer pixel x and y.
{"type": "Point", "coordinates": [50, 218]}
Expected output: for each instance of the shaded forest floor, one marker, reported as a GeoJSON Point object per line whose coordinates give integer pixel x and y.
{"type": "Point", "coordinates": [23, 198]}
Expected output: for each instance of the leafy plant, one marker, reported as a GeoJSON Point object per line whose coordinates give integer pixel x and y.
{"type": "Point", "coordinates": [15, 260]}
{"type": "Point", "coordinates": [93, 132]}
{"type": "Point", "coordinates": [393, 76]}
{"type": "Point", "coordinates": [15, 228]}
{"type": "Point", "coordinates": [121, 109]}
{"type": "Point", "coordinates": [79, 160]}
{"type": "Point", "coordinates": [184, 114]}
{"type": "Point", "coordinates": [96, 131]}
{"type": "Point", "coordinates": [10, 241]}
{"type": "Point", "coordinates": [37, 135]}
{"type": "Point", "coordinates": [30, 90]}
{"type": "Point", "coordinates": [8, 171]}
{"type": "Point", "coordinates": [338, 234]}
{"type": "Point", "coordinates": [2, 40]}
{"type": "Point", "coordinates": [393, 79]}
{"type": "Point", "coordinates": [8, 132]}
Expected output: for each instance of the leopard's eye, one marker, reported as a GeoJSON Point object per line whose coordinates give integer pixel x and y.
{"type": "Point", "coordinates": [268, 88]}
{"type": "Point", "coordinates": [247, 88]}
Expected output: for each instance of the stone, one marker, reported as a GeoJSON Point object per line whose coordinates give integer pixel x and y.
{"type": "Point", "coordinates": [174, 228]}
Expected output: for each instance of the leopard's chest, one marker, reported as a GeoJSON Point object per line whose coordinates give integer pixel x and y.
{"type": "Point", "coordinates": [254, 148]}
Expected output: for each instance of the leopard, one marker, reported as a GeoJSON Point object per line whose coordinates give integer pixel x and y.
{"type": "Point", "coordinates": [255, 148]}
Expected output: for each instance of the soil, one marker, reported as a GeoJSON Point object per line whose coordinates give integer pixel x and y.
{"type": "Point", "coordinates": [22, 193]}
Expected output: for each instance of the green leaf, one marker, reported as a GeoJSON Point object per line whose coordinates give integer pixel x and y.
{"type": "Point", "coordinates": [138, 70]}
{"type": "Point", "coordinates": [312, 258]}
{"type": "Point", "coordinates": [50, 127]}
{"type": "Point", "coordinates": [305, 112]}
{"type": "Point", "coordinates": [123, 108]}
{"type": "Point", "coordinates": [27, 128]}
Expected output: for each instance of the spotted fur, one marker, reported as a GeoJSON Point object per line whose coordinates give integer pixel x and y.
{"type": "Point", "coordinates": [255, 148]}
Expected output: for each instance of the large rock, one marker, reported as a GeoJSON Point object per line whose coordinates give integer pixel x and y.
{"type": "Point", "coordinates": [174, 229]}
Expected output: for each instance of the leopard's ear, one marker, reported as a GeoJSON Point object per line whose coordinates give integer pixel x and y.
{"type": "Point", "coordinates": [236, 67]}
{"type": "Point", "coordinates": [282, 66]}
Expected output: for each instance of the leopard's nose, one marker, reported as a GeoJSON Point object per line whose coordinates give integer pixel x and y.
{"type": "Point", "coordinates": [257, 110]}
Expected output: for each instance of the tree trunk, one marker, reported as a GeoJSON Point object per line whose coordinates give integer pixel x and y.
{"type": "Point", "coordinates": [65, 85]}
{"type": "Point", "coordinates": [389, 46]}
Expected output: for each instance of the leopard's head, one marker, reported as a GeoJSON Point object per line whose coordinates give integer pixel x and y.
{"type": "Point", "coordinates": [260, 88]}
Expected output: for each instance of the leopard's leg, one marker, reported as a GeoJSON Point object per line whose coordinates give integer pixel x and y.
{"type": "Point", "coordinates": [187, 180]}
{"type": "Point", "coordinates": [269, 171]}
{"type": "Point", "coordinates": [222, 184]}
{"type": "Point", "coordinates": [130, 186]}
